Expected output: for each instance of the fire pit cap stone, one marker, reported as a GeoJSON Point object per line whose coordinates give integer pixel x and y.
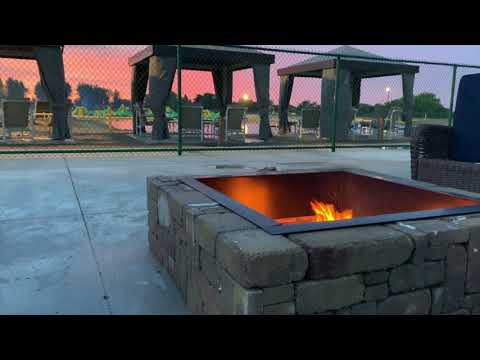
{"type": "Point", "coordinates": [179, 200]}
{"type": "Point", "coordinates": [257, 259]}
{"type": "Point", "coordinates": [209, 226]}
{"type": "Point", "coordinates": [439, 231]}
{"type": "Point", "coordinates": [340, 252]}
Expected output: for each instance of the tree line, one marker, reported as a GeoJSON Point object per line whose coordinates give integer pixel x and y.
{"type": "Point", "coordinates": [12, 89]}
{"type": "Point", "coordinates": [16, 89]}
{"type": "Point", "coordinates": [94, 97]}
{"type": "Point", "coordinates": [91, 96]}
{"type": "Point", "coordinates": [425, 104]}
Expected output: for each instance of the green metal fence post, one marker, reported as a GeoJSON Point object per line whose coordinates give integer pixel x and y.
{"type": "Point", "coordinates": [179, 105]}
{"type": "Point", "coordinates": [335, 106]}
{"type": "Point", "coordinates": [452, 95]}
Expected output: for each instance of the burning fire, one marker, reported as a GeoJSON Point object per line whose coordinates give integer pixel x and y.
{"type": "Point", "coordinates": [327, 212]}
{"type": "Point", "coordinates": [323, 212]}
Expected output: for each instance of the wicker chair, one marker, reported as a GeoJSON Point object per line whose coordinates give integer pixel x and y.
{"type": "Point", "coordinates": [434, 148]}
{"type": "Point", "coordinates": [430, 160]}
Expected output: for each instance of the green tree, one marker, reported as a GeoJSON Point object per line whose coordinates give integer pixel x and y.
{"type": "Point", "coordinates": [207, 100]}
{"type": "Point", "coordinates": [306, 104]}
{"type": "Point", "coordinates": [186, 100]}
{"type": "Point", "coordinates": [3, 92]}
{"type": "Point", "coordinates": [380, 110]}
{"type": "Point", "coordinates": [40, 92]}
{"type": "Point", "coordinates": [365, 110]}
{"type": "Point", "coordinates": [172, 101]}
{"type": "Point", "coordinates": [116, 101]}
{"type": "Point", "coordinates": [428, 104]}
{"type": "Point", "coordinates": [424, 104]}
{"type": "Point", "coordinates": [15, 89]}
{"type": "Point", "coordinates": [92, 97]}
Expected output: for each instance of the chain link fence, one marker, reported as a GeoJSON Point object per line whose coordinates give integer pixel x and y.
{"type": "Point", "coordinates": [308, 99]}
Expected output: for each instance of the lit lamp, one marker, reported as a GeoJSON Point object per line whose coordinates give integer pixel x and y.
{"type": "Point", "coordinates": [245, 97]}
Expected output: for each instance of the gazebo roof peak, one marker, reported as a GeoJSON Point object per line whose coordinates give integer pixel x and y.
{"type": "Point", "coordinates": [350, 50]}
{"type": "Point", "coordinates": [342, 50]}
{"type": "Point", "coordinates": [373, 66]}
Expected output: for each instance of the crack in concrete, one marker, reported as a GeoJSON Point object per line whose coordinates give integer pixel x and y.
{"type": "Point", "coordinates": [106, 297]}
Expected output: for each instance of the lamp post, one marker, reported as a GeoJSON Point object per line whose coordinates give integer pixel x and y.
{"type": "Point", "coordinates": [387, 90]}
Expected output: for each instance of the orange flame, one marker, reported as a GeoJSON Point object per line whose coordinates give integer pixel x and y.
{"type": "Point", "coordinates": [327, 212]}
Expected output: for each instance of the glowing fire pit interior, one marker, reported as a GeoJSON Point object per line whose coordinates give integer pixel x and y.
{"type": "Point", "coordinates": [304, 201]}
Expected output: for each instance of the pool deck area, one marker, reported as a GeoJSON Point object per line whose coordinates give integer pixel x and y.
{"type": "Point", "coordinates": [73, 229]}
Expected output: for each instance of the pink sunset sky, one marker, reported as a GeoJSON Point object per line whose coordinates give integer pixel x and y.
{"type": "Point", "coordinates": [107, 66]}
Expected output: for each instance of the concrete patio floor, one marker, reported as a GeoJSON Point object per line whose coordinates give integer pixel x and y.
{"type": "Point", "coordinates": [73, 230]}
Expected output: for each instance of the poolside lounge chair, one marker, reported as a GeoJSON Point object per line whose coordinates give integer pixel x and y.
{"type": "Point", "coordinates": [43, 113]}
{"type": "Point", "coordinates": [450, 156]}
{"type": "Point", "coordinates": [234, 121]}
{"type": "Point", "coordinates": [310, 122]}
{"type": "Point", "coordinates": [17, 115]}
{"type": "Point", "coordinates": [192, 122]}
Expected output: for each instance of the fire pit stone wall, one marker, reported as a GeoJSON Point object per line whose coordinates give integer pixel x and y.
{"type": "Point", "coordinates": [223, 264]}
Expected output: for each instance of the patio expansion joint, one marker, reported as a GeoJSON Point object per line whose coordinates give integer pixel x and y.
{"type": "Point", "coordinates": [106, 297]}
{"type": "Point", "coordinates": [35, 218]}
{"type": "Point", "coordinates": [114, 212]}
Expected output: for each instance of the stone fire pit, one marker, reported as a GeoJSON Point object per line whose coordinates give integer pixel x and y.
{"type": "Point", "coordinates": [224, 264]}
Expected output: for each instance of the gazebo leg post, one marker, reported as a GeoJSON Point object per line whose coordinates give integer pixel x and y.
{"type": "Point", "coordinates": [179, 86]}
{"type": "Point", "coordinates": [222, 81]}
{"type": "Point", "coordinates": [221, 131]}
{"type": "Point", "coordinates": [161, 73]}
{"type": "Point", "coordinates": [335, 105]}
{"type": "Point", "coordinates": [408, 81]}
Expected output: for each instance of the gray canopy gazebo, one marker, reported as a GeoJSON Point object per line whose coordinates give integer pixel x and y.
{"type": "Point", "coordinates": [52, 77]}
{"type": "Point", "coordinates": [156, 66]}
{"type": "Point", "coordinates": [352, 71]}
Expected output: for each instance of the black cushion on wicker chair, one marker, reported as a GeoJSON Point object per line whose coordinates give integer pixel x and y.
{"type": "Point", "coordinates": [465, 137]}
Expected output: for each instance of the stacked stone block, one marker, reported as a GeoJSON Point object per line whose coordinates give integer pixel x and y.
{"type": "Point", "coordinates": [224, 264]}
